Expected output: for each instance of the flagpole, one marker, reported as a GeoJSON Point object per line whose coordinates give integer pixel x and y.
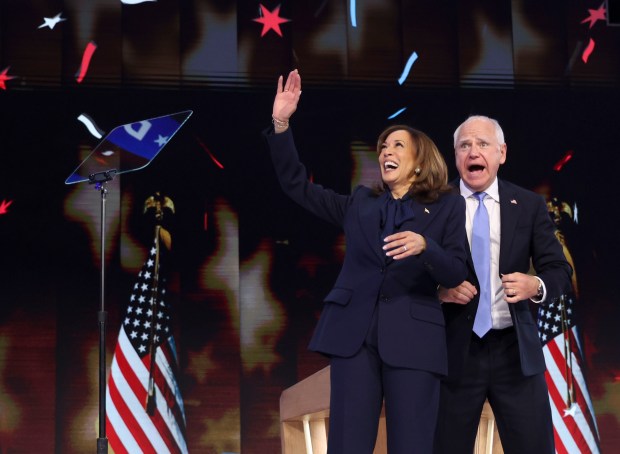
{"type": "Point", "coordinates": [150, 396]}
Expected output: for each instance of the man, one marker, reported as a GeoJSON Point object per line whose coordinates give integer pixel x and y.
{"type": "Point", "coordinates": [504, 361]}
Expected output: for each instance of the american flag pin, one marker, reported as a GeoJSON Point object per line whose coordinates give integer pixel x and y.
{"type": "Point", "coordinates": [426, 210]}
{"type": "Point", "coordinates": [513, 201]}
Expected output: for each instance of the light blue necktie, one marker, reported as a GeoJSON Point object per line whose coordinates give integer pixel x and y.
{"type": "Point", "coordinates": [481, 253]}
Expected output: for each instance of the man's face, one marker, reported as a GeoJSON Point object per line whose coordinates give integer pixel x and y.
{"type": "Point", "coordinates": [478, 154]}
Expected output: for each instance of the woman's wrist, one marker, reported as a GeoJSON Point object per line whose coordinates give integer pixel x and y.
{"type": "Point", "coordinates": [279, 125]}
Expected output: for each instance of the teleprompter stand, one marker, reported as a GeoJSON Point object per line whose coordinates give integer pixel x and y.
{"type": "Point", "coordinates": [126, 148]}
{"type": "Point", "coordinates": [100, 180]}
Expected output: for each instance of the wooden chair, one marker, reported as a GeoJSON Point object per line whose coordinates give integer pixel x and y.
{"type": "Point", "coordinates": [304, 415]}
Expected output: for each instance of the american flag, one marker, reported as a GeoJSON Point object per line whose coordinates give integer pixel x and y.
{"type": "Point", "coordinates": [144, 406]}
{"type": "Point", "coordinates": [574, 422]}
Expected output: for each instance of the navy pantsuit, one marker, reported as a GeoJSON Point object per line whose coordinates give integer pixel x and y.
{"type": "Point", "coordinates": [506, 367]}
{"type": "Point", "coordinates": [382, 324]}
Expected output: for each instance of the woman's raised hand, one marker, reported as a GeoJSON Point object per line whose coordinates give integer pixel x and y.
{"type": "Point", "coordinates": [287, 98]}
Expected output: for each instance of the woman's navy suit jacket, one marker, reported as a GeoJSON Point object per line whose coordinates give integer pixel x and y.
{"type": "Point", "coordinates": [411, 329]}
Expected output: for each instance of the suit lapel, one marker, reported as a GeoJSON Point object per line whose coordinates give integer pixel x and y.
{"type": "Point", "coordinates": [509, 214]}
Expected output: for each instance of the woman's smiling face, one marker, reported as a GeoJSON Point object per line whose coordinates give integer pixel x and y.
{"type": "Point", "coordinates": [397, 161]}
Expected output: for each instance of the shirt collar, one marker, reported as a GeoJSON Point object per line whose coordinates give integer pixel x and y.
{"type": "Point", "coordinates": [492, 191]}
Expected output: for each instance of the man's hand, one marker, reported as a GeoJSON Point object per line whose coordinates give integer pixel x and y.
{"type": "Point", "coordinates": [519, 286]}
{"type": "Point", "coordinates": [461, 294]}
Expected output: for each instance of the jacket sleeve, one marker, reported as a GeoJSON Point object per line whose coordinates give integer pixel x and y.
{"type": "Point", "coordinates": [293, 178]}
{"type": "Point", "coordinates": [446, 259]}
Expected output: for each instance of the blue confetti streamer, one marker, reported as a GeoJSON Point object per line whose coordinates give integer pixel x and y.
{"type": "Point", "coordinates": [396, 114]}
{"type": "Point", "coordinates": [410, 62]}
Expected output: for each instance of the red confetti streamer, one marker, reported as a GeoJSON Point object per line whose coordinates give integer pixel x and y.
{"type": "Point", "coordinates": [204, 147]}
{"type": "Point", "coordinates": [91, 47]}
{"type": "Point", "coordinates": [4, 206]}
{"type": "Point", "coordinates": [567, 157]}
{"type": "Point", "coordinates": [588, 51]}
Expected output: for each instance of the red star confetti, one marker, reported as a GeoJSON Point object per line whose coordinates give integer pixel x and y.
{"type": "Point", "coordinates": [271, 20]}
{"type": "Point", "coordinates": [595, 15]}
{"type": "Point", "coordinates": [52, 21]}
{"type": "Point", "coordinates": [4, 206]}
{"type": "Point", "coordinates": [4, 77]}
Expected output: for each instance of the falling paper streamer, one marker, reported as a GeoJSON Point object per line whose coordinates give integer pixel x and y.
{"type": "Point", "coordinates": [567, 157]}
{"type": "Point", "coordinates": [397, 113]}
{"type": "Point", "coordinates": [204, 147]}
{"type": "Point", "coordinates": [90, 125]}
{"type": "Point", "coordinates": [410, 62]}
{"type": "Point", "coordinates": [588, 51]}
{"type": "Point", "coordinates": [352, 13]}
{"type": "Point", "coordinates": [86, 57]}
{"type": "Point", "coordinates": [91, 47]}
{"type": "Point", "coordinates": [135, 2]}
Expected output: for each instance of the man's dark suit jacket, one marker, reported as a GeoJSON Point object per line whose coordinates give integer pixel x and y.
{"type": "Point", "coordinates": [410, 321]}
{"type": "Point", "coordinates": [526, 232]}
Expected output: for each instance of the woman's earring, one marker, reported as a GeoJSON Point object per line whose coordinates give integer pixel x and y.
{"type": "Point", "coordinates": [417, 171]}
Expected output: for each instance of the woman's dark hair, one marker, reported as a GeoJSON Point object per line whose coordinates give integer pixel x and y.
{"type": "Point", "coordinates": [432, 180]}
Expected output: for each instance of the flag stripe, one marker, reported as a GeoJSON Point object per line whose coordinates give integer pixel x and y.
{"type": "Point", "coordinates": [572, 432]}
{"type": "Point", "coordinates": [120, 438]}
{"type": "Point", "coordinates": [584, 427]}
{"type": "Point", "coordinates": [137, 380]}
{"type": "Point", "coordinates": [126, 385]}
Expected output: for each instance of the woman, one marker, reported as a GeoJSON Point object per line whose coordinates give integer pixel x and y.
{"type": "Point", "coordinates": [382, 325]}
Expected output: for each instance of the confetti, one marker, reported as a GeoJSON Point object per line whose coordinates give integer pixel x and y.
{"type": "Point", "coordinates": [91, 47]}
{"type": "Point", "coordinates": [410, 62]}
{"type": "Point", "coordinates": [567, 157]}
{"type": "Point", "coordinates": [595, 15]}
{"type": "Point", "coordinates": [4, 77]}
{"type": "Point", "coordinates": [204, 147]}
{"type": "Point", "coordinates": [397, 113]}
{"type": "Point", "coordinates": [90, 125]}
{"type": "Point", "coordinates": [271, 20]}
{"type": "Point", "coordinates": [353, 13]}
{"type": "Point", "coordinates": [4, 206]}
{"type": "Point", "coordinates": [52, 21]}
{"type": "Point", "coordinates": [588, 51]}
{"type": "Point", "coordinates": [135, 2]}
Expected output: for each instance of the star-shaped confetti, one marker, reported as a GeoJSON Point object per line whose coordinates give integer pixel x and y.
{"type": "Point", "coordinates": [4, 77]}
{"type": "Point", "coordinates": [271, 20]}
{"type": "Point", "coordinates": [595, 15]}
{"type": "Point", "coordinates": [52, 21]}
{"type": "Point", "coordinates": [4, 206]}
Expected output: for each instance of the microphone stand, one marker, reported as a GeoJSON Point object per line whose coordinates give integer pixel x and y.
{"type": "Point", "coordinates": [99, 180]}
